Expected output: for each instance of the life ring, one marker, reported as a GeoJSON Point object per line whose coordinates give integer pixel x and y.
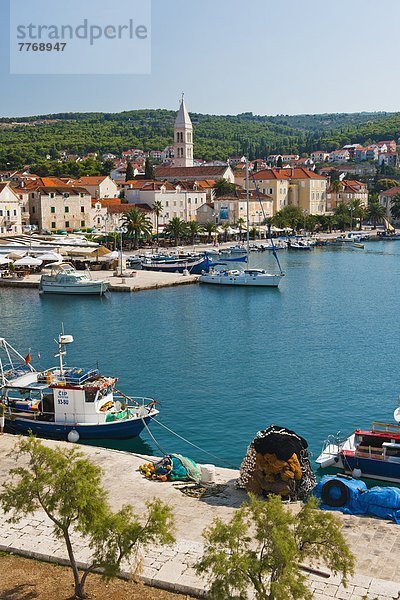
{"type": "Point", "coordinates": [335, 493]}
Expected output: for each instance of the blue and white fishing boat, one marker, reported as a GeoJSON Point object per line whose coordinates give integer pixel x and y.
{"type": "Point", "coordinates": [67, 402]}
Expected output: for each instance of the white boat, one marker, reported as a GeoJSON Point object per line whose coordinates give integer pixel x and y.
{"type": "Point", "coordinates": [248, 277]}
{"type": "Point", "coordinates": [67, 403]}
{"type": "Point", "coordinates": [64, 279]}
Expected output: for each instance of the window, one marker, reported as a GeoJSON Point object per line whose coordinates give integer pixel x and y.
{"type": "Point", "coordinates": [33, 209]}
{"type": "Point", "coordinates": [32, 195]}
{"type": "Point", "coordinates": [271, 191]}
{"type": "Point", "coordinates": [67, 209]}
{"type": "Point", "coordinates": [1, 213]}
{"type": "Point", "coordinates": [66, 223]}
{"type": "Point", "coordinates": [82, 209]}
{"type": "Point", "coordinates": [82, 195]}
{"type": "Point", "coordinates": [52, 209]}
{"type": "Point", "coordinates": [82, 223]}
{"type": "Point", "coordinates": [15, 213]}
{"type": "Point", "coordinates": [51, 194]}
{"type": "Point", "coordinates": [53, 224]}
{"type": "Point", "coordinates": [66, 195]}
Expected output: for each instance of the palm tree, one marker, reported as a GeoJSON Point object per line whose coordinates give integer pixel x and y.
{"type": "Point", "coordinates": [240, 223]}
{"type": "Point", "coordinates": [157, 210]}
{"type": "Point", "coordinates": [193, 228]}
{"type": "Point", "coordinates": [357, 210]}
{"type": "Point", "coordinates": [342, 215]}
{"type": "Point", "coordinates": [176, 228]}
{"type": "Point", "coordinates": [395, 207]}
{"type": "Point", "coordinates": [376, 212]}
{"type": "Point", "coordinates": [138, 224]}
{"type": "Point", "coordinates": [210, 228]}
{"type": "Point", "coordinates": [225, 227]}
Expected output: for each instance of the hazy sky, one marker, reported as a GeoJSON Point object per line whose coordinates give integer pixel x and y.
{"type": "Point", "coordinates": [232, 56]}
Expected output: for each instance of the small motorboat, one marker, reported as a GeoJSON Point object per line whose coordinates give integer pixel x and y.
{"type": "Point", "coordinates": [298, 245]}
{"type": "Point", "coordinates": [371, 454]}
{"type": "Point", "coordinates": [67, 403]}
{"type": "Point", "coordinates": [65, 279]}
{"type": "Point", "coordinates": [195, 267]}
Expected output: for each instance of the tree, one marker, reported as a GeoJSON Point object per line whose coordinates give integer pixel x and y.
{"type": "Point", "coordinates": [279, 162]}
{"type": "Point", "coordinates": [148, 169]}
{"type": "Point", "coordinates": [262, 547]}
{"type": "Point", "coordinates": [210, 228]}
{"type": "Point", "coordinates": [157, 210]}
{"type": "Point", "coordinates": [385, 184]}
{"type": "Point", "coordinates": [176, 228]}
{"type": "Point", "coordinates": [376, 212]}
{"type": "Point", "coordinates": [192, 228]}
{"type": "Point", "coordinates": [138, 224]}
{"type": "Point", "coordinates": [130, 173]}
{"type": "Point", "coordinates": [240, 223]}
{"type": "Point", "coordinates": [223, 187]}
{"type": "Point", "coordinates": [395, 207]}
{"type": "Point", "coordinates": [289, 216]}
{"type": "Point", "coordinates": [342, 215]}
{"type": "Point", "coordinates": [225, 226]}
{"type": "Point", "coordinates": [67, 487]}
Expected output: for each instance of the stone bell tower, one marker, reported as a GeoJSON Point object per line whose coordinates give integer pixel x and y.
{"type": "Point", "coordinates": [183, 138]}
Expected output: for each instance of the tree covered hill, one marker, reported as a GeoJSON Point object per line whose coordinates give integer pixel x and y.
{"type": "Point", "coordinates": [30, 139]}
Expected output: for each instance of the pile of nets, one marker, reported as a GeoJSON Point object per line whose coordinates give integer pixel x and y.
{"type": "Point", "coordinates": [277, 462]}
{"type": "Point", "coordinates": [172, 467]}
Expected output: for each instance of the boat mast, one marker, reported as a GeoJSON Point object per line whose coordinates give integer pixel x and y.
{"type": "Point", "coordinates": [247, 208]}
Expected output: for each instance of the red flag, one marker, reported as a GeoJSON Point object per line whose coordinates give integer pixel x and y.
{"type": "Point", "coordinates": [28, 358]}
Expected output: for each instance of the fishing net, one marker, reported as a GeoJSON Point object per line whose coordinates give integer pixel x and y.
{"type": "Point", "coordinates": [277, 462]}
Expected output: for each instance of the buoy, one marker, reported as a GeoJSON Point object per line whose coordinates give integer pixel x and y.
{"type": "Point", "coordinates": [73, 436]}
{"type": "Point", "coordinates": [356, 473]}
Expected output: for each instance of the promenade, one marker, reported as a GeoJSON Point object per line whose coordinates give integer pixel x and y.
{"type": "Point", "coordinates": [132, 281]}
{"type": "Point", "coordinates": [375, 543]}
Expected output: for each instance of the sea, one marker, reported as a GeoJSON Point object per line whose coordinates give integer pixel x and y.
{"type": "Point", "coordinates": [319, 355]}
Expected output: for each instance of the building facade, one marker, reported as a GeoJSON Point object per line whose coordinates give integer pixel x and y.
{"type": "Point", "coordinates": [10, 210]}
{"type": "Point", "coordinates": [60, 208]}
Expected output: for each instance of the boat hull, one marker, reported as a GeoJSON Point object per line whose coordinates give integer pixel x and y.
{"type": "Point", "coordinates": [241, 280]}
{"type": "Point", "coordinates": [95, 288]}
{"type": "Point", "coordinates": [381, 470]}
{"type": "Point", "coordinates": [117, 430]}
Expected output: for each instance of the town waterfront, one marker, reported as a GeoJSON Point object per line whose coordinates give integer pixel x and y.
{"type": "Point", "coordinates": [318, 355]}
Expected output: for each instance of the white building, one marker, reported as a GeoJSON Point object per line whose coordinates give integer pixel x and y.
{"type": "Point", "coordinates": [339, 156]}
{"type": "Point", "coordinates": [10, 210]}
{"type": "Point", "coordinates": [178, 200]}
{"type": "Point", "coordinates": [99, 187]}
{"type": "Point", "coordinates": [183, 138]}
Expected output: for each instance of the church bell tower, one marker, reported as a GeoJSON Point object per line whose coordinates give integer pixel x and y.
{"type": "Point", "coordinates": [183, 138]}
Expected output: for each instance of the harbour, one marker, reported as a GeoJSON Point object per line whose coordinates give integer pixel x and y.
{"type": "Point", "coordinates": [287, 345]}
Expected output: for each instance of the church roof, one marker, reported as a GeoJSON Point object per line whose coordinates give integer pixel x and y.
{"type": "Point", "coordinates": [182, 118]}
{"type": "Point", "coordinates": [212, 172]}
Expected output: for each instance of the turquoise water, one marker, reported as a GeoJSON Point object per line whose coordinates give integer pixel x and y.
{"type": "Point", "coordinates": [318, 355]}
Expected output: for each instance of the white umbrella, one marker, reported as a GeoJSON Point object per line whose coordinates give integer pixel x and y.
{"type": "Point", "coordinates": [28, 261]}
{"type": "Point", "coordinates": [53, 256]}
{"type": "Point", "coordinates": [4, 260]}
{"type": "Point", "coordinates": [112, 256]}
{"type": "Point", "coordinates": [13, 255]}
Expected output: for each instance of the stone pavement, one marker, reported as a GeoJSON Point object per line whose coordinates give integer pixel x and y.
{"type": "Point", "coordinates": [375, 543]}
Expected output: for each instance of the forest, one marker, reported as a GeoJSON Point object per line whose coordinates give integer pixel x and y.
{"type": "Point", "coordinates": [29, 140]}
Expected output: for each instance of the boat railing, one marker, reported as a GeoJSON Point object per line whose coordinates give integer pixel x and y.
{"type": "Point", "coordinates": [389, 427]}
{"type": "Point", "coordinates": [133, 401]}
{"type": "Point", "coordinates": [71, 375]}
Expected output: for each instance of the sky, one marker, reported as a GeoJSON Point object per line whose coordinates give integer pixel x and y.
{"type": "Point", "coordinates": [233, 56]}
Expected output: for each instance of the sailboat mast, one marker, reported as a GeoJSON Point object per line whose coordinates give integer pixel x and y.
{"type": "Point", "coordinates": [247, 208]}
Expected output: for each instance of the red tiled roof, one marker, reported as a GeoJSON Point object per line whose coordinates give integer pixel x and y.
{"type": "Point", "coordinates": [91, 180]}
{"type": "Point", "coordinates": [290, 173]}
{"type": "Point", "coordinates": [205, 172]}
{"type": "Point", "coordinates": [392, 191]}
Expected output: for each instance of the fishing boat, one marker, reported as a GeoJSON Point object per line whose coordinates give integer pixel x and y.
{"type": "Point", "coordinates": [247, 277]}
{"type": "Point", "coordinates": [64, 279]}
{"type": "Point", "coordinates": [368, 453]}
{"type": "Point", "coordinates": [67, 403]}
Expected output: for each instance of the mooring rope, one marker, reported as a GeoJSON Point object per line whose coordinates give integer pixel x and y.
{"type": "Point", "coordinates": [191, 444]}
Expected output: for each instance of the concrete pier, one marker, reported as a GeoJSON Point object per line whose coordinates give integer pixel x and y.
{"type": "Point", "coordinates": [376, 543]}
{"type": "Point", "coordinates": [132, 281]}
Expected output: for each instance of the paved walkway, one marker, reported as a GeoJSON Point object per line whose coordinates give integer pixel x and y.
{"type": "Point", "coordinates": [375, 543]}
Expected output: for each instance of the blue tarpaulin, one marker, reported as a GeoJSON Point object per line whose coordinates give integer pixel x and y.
{"type": "Point", "coordinates": [383, 502]}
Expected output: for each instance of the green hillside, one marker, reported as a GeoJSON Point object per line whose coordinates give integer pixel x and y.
{"type": "Point", "coordinates": [216, 137]}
